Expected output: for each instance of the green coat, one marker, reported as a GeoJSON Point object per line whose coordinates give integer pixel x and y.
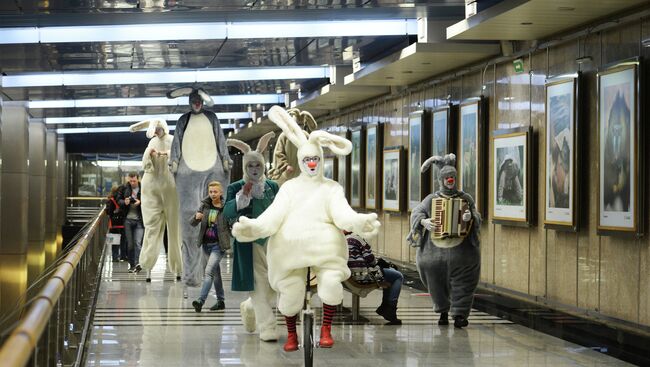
{"type": "Point", "coordinates": [242, 272]}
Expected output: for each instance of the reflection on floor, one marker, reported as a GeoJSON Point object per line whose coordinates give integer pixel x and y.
{"type": "Point", "coordinates": [151, 324]}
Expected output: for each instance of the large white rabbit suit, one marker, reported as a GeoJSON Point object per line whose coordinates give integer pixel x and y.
{"type": "Point", "coordinates": [249, 266]}
{"type": "Point", "coordinates": [159, 200]}
{"type": "Point", "coordinates": [304, 223]}
{"type": "Point", "coordinates": [198, 155]}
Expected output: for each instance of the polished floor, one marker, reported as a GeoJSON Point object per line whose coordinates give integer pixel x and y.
{"type": "Point", "coordinates": [151, 324]}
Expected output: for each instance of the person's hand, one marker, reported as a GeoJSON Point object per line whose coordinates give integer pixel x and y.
{"type": "Point", "coordinates": [247, 188]}
{"type": "Point", "coordinates": [198, 216]}
{"type": "Point", "coordinates": [137, 202]}
{"type": "Point", "coordinates": [127, 201]}
{"type": "Point", "coordinates": [153, 152]}
{"type": "Point", "coordinates": [467, 216]}
{"type": "Point", "coordinates": [427, 224]}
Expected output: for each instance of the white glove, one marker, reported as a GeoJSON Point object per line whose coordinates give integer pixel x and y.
{"type": "Point", "coordinates": [467, 216]}
{"type": "Point", "coordinates": [242, 200]}
{"type": "Point", "coordinates": [427, 224]}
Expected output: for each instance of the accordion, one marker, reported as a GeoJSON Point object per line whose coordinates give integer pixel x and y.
{"type": "Point", "coordinates": [447, 217]}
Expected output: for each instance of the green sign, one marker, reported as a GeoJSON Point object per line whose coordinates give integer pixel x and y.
{"type": "Point", "coordinates": [519, 66]}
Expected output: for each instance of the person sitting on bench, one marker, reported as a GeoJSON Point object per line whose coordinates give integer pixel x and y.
{"type": "Point", "coordinates": [367, 269]}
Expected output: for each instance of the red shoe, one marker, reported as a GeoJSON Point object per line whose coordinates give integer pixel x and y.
{"type": "Point", "coordinates": [292, 343]}
{"type": "Point", "coordinates": [326, 340]}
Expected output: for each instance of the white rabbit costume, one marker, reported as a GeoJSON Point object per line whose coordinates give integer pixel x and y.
{"type": "Point", "coordinates": [304, 223]}
{"type": "Point", "coordinates": [159, 199]}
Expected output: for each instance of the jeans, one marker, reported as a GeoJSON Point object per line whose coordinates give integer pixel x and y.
{"type": "Point", "coordinates": [395, 279]}
{"type": "Point", "coordinates": [212, 272]}
{"type": "Point", "coordinates": [134, 230]}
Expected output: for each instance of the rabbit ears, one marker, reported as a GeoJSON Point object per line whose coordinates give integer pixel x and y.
{"type": "Point", "coordinates": [150, 125]}
{"type": "Point", "coordinates": [188, 91]}
{"type": "Point", "coordinates": [262, 144]}
{"type": "Point", "coordinates": [447, 160]}
{"type": "Point", "coordinates": [296, 135]}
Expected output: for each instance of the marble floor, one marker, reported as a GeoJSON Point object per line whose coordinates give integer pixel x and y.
{"type": "Point", "coordinates": [151, 324]}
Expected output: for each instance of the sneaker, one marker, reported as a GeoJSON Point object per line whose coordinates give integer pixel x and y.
{"type": "Point", "coordinates": [137, 268]}
{"type": "Point", "coordinates": [198, 305]}
{"type": "Point", "coordinates": [220, 305]}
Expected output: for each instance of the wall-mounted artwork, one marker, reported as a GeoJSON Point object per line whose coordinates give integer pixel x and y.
{"type": "Point", "coordinates": [374, 140]}
{"type": "Point", "coordinates": [418, 151]}
{"type": "Point", "coordinates": [440, 140]}
{"type": "Point", "coordinates": [561, 153]}
{"type": "Point", "coordinates": [618, 149]}
{"type": "Point", "coordinates": [392, 182]}
{"type": "Point", "coordinates": [329, 168]}
{"type": "Point", "coordinates": [511, 172]}
{"type": "Point", "coordinates": [356, 168]}
{"type": "Point", "coordinates": [472, 147]}
{"type": "Point", "coordinates": [342, 170]}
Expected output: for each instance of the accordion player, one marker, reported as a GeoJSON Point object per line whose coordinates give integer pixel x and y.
{"type": "Point", "coordinates": [449, 228]}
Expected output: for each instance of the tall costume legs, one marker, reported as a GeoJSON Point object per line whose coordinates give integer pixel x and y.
{"type": "Point", "coordinates": [263, 296]}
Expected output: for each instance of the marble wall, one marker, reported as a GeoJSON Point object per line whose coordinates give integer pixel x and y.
{"type": "Point", "coordinates": [606, 275]}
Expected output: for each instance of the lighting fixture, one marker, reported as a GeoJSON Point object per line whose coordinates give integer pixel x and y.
{"type": "Point", "coordinates": [113, 129]}
{"type": "Point", "coordinates": [208, 31]}
{"type": "Point", "coordinates": [154, 101]}
{"type": "Point", "coordinates": [134, 118]}
{"type": "Point", "coordinates": [111, 77]}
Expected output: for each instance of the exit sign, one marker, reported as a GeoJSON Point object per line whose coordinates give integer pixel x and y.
{"type": "Point", "coordinates": [519, 66]}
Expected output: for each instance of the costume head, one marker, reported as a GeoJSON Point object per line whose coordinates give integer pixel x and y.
{"type": "Point", "coordinates": [197, 98]}
{"type": "Point", "coordinates": [310, 150]}
{"type": "Point", "coordinates": [253, 159]}
{"type": "Point", "coordinates": [447, 175]}
{"type": "Point", "coordinates": [304, 119]}
{"type": "Point", "coordinates": [151, 125]}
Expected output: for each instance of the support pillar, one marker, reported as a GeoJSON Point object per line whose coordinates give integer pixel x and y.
{"type": "Point", "coordinates": [14, 192]}
{"type": "Point", "coordinates": [37, 202]}
{"type": "Point", "coordinates": [61, 189]}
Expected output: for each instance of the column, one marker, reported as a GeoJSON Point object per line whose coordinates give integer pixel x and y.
{"type": "Point", "coordinates": [37, 202]}
{"type": "Point", "coordinates": [61, 188]}
{"type": "Point", "coordinates": [51, 209]}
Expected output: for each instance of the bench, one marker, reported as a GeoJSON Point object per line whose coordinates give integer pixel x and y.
{"type": "Point", "coordinates": [359, 290]}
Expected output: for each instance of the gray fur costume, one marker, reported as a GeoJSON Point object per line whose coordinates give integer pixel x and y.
{"type": "Point", "coordinates": [449, 268]}
{"type": "Point", "coordinates": [192, 183]}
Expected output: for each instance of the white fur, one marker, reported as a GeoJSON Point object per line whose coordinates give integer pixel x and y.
{"type": "Point", "coordinates": [199, 146]}
{"type": "Point", "coordinates": [305, 222]}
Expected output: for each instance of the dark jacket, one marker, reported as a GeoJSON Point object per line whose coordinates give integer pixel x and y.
{"type": "Point", "coordinates": [115, 214]}
{"type": "Point", "coordinates": [223, 232]}
{"type": "Point", "coordinates": [126, 193]}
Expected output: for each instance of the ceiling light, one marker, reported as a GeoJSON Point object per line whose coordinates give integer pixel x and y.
{"type": "Point", "coordinates": [154, 101]}
{"type": "Point", "coordinates": [112, 129]}
{"type": "Point", "coordinates": [110, 77]}
{"type": "Point", "coordinates": [207, 31]}
{"type": "Point", "coordinates": [134, 118]}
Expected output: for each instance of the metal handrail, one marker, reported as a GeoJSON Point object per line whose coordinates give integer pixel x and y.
{"type": "Point", "coordinates": [20, 345]}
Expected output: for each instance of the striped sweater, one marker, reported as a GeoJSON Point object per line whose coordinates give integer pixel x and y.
{"type": "Point", "coordinates": [361, 261]}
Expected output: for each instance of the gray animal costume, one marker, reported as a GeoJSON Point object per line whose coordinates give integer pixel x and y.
{"type": "Point", "coordinates": [449, 268]}
{"type": "Point", "coordinates": [198, 155]}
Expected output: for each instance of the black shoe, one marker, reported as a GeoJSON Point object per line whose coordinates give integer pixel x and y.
{"type": "Point", "coordinates": [137, 269]}
{"type": "Point", "coordinates": [390, 314]}
{"type": "Point", "coordinates": [382, 309]}
{"type": "Point", "coordinates": [444, 319]}
{"type": "Point", "coordinates": [460, 321]}
{"type": "Point", "coordinates": [132, 269]}
{"type": "Point", "coordinates": [148, 280]}
{"type": "Point", "coordinates": [178, 277]}
{"type": "Point", "coordinates": [198, 305]}
{"type": "Point", "coordinates": [220, 305]}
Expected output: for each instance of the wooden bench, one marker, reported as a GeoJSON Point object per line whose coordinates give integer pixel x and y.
{"type": "Point", "coordinates": [359, 290]}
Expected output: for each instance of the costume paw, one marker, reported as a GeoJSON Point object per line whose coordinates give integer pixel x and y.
{"type": "Point", "coordinates": [244, 230]}
{"type": "Point", "coordinates": [367, 225]}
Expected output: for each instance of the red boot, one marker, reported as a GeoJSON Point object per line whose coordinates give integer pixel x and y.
{"type": "Point", "coordinates": [326, 340]}
{"type": "Point", "coordinates": [292, 342]}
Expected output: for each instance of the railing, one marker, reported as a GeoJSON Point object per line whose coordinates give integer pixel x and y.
{"type": "Point", "coordinates": [53, 331]}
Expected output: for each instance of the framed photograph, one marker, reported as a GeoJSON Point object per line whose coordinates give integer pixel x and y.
{"type": "Point", "coordinates": [329, 168]}
{"type": "Point", "coordinates": [374, 140]}
{"type": "Point", "coordinates": [561, 153]}
{"type": "Point", "coordinates": [418, 184]}
{"type": "Point", "coordinates": [392, 179]}
{"type": "Point", "coordinates": [471, 157]}
{"type": "Point", "coordinates": [510, 189]}
{"type": "Point", "coordinates": [441, 143]}
{"type": "Point", "coordinates": [619, 170]}
{"type": "Point", "coordinates": [356, 168]}
{"type": "Point", "coordinates": [342, 169]}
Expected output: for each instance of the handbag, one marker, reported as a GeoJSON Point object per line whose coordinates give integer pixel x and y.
{"type": "Point", "coordinates": [113, 239]}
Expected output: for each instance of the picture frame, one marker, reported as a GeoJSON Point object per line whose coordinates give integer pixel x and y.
{"type": "Point", "coordinates": [374, 143]}
{"type": "Point", "coordinates": [343, 171]}
{"type": "Point", "coordinates": [330, 168]}
{"type": "Point", "coordinates": [473, 151]}
{"type": "Point", "coordinates": [357, 175]}
{"type": "Point", "coordinates": [561, 152]}
{"type": "Point", "coordinates": [512, 176]}
{"type": "Point", "coordinates": [441, 139]}
{"type": "Point", "coordinates": [418, 150]}
{"type": "Point", "coordinates": [620, 172]}
{"type": "Point", "coordinates": [392, 179]}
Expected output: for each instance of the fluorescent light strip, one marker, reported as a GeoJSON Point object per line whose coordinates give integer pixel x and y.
{"type": "Point", "coordinates": [110, 77]}
{"type": "Point", "coordinates": [208, 30]}
{"type": "Point", "coordinates": [113, 129]}
{"type": "Point", "coordinates": [135, 118]}
{"type": "Point", "coordinates": [155, 101]}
